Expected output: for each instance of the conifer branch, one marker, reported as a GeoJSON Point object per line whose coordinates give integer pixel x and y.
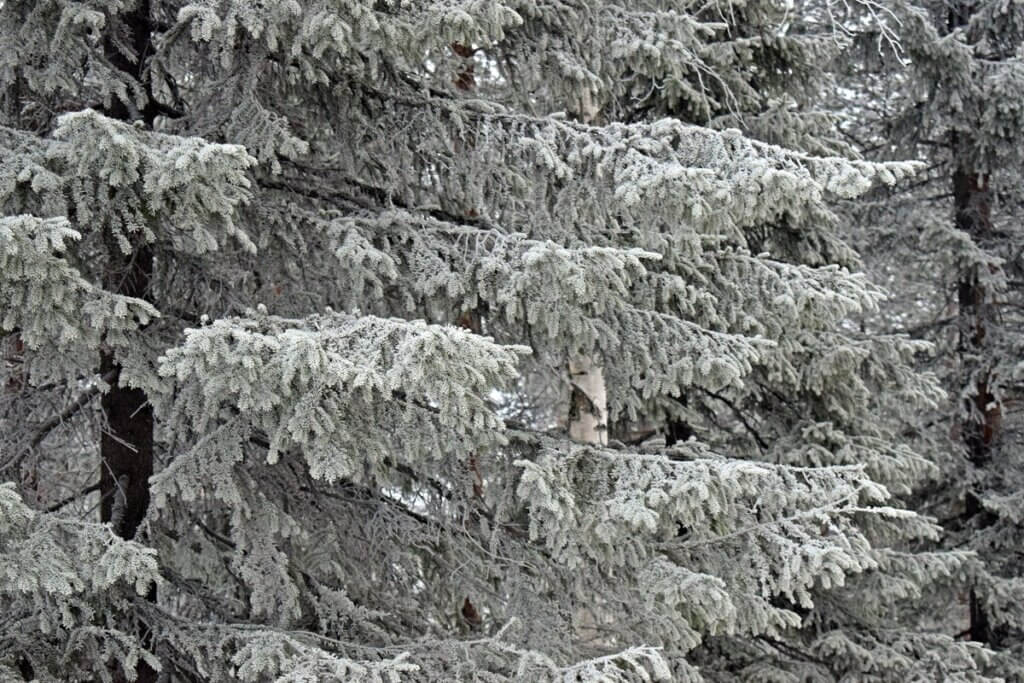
{"type": "Point", "coordinates": [81, 401]}
{"type": "Point", "coordinates": [761, 443]}
{"type": "Point", "coordinates": [74, 496]}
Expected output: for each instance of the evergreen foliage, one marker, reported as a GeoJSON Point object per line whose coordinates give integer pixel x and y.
{"type": "Point", "coordinates": [948, 244]}
{"type": "Point", "coordinates": [286, 278]}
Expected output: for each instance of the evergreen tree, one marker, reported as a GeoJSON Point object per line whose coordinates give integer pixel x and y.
{"type": "Point", "coordinates": [949, 245]}
{"type": "Point", "coordinates": [275, 277]}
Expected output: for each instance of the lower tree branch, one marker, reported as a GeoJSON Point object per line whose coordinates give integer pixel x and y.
{"type": "Point", "coordinates": [74, 496]}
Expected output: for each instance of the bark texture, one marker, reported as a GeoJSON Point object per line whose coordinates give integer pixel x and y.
{"type": "Point", "coordinates": [588, 409]}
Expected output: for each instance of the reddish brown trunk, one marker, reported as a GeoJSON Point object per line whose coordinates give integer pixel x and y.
{"type": "Point", "coordinates": [471, 321]}
{"type": "Point", "coordinates": [465, 79]}
{"type": "Point", "coordinates": [14, 358]}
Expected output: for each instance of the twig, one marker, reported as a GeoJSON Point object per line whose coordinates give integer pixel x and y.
{"type": "Point", "coordinates": [74, 496]}
{"type": "Point", "coordinates": [80, 402]}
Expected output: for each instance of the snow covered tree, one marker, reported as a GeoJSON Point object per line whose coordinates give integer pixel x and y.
{"type": "Point", "coordinates": [279, 278]}
{"type": "Point", "coordinates": [949, 245]}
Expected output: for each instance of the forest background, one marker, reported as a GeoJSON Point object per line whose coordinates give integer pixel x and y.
{"type": "Point", "coordinates": [373, 340]}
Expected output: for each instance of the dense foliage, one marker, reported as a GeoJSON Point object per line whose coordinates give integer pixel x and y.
{"type": "Point", "coordinates": [949, 245]}
{"type": "Point", "coordinates": [450, 340]}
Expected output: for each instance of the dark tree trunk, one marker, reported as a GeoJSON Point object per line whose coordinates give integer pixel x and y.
{"type": "Point", "coordinates": [980, 631]}
{"type": "Point", "coordinates": [980, 418]}
{"type": "Point", "coordinates": [126, 446]}
{"type": "Point", "coordinates": [982, 415]}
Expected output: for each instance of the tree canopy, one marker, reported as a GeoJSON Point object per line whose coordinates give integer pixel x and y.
{"type": "Point", "coordinates": [451, 340]}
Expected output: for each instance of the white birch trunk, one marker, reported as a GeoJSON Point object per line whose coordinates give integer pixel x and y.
{"type": "Point", "coordinates": [588, 410]}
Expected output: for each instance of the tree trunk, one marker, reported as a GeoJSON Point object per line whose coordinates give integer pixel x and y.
{"type": "Point", "coordinates": [588, 408]}
{"type": "Point", "coordinates": [982, 415]}
{"type": "Point", "coordinates": [126, 446]}
{"type": "Point", "coordinates": [980, 418]}
{"type": "Point", "coordinates": [588, 422]}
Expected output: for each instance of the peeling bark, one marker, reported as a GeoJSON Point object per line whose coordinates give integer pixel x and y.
{"type": "Point", "coordinates": [588, 408]}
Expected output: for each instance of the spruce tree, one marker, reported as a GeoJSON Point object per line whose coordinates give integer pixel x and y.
{"type": "Point", "coordinates": [948, 244]}
{"type": "Point", "coordinates": [290, 291]}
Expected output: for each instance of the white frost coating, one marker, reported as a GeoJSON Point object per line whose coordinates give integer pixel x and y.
{"type": "Point", "coordinates": [354, 485]}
